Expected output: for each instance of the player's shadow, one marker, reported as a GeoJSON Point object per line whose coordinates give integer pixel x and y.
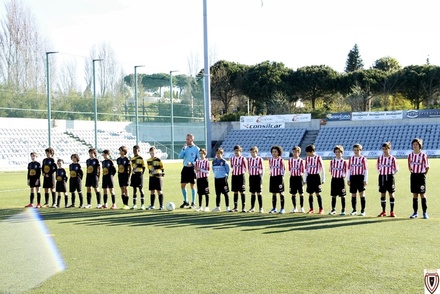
{"type": "Point", "coordinates": [8, 212]}
{"type": "Point", "coordinates": [268, 224]}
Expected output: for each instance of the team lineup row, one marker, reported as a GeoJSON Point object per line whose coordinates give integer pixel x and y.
{"type": "Point", "coordinates": [309, 171]}
{"type": "Point", "coordinates": [196, 169]}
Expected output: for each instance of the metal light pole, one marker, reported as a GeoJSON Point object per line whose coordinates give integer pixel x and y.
{"type": "Point", "coordinates": [206, 81]}
{"type": "Point", "coordinates": [136, 104]}
{"type": "Point", "coordinates": [172, 113]}
{"type": "Point", "coordinates": [95, 103]}
{"type": "Point", "coordinates": [49, 109]}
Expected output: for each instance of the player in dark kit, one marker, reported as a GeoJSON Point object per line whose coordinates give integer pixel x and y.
{"type": "Point", "coordinates": [108, 171]}
{"type": "Point", "coordinates": [137, 177]}
{"type": "Point", "coordinates": [61, 185]}
{"type": "Point", "coordinates": [75, 181]}
{"type": "Point", "coordinates": [156, 171]}
{"type": "Point", "coordinates": [33, 180]}
{"type": "Point", "coordinates": [92, 178]}
{"type": "Point", "coordinates": [49, 168]}
{"type": "Point", "coordinates": [124, 171]}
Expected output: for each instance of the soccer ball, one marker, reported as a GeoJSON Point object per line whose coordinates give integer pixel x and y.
{"type": "Point", "coordinates": [171, 206]}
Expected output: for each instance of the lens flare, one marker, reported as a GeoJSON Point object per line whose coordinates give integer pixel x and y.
{"type": "Point", "coordinates": [29, 253]}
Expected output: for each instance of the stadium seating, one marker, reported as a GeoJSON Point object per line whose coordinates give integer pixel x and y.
{"type": "Point", "coordinates": [16, 144]}
{"type": "Point", "coordinates": [112, 140]}
{"type": "Point", "coordinates": [263, 138]}
{"type": "Point", "coordinates": [371, 137]}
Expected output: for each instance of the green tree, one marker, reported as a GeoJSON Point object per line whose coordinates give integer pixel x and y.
{"type": "Point", "coordinates": [354, 61]}
{"type": "Point", "coordinates": [390, 68]}
{"type": "Point", "coordinates": [267, 85]}
{"type": "Point", "coordinates": [226, 79]}
{"type": "Point", "coordinates": [420, 84]}
{"type": "Point", "coordinates": [313, 82]}
{"type": "Point", "coordinates": [364, 84]}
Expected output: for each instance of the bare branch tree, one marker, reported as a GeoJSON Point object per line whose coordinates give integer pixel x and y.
{"type": "Point", "coordinates": [22, 48]}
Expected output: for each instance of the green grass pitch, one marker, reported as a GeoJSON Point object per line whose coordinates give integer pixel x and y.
{"type": "Point", "coordinates": [193, 252]}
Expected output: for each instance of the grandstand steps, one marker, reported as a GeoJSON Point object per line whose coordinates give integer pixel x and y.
{"type": "Point", "coordinates": [309, 138]}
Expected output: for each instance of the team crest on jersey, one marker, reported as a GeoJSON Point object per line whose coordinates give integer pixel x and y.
{"type": "Point", "coordinates": [431, 281]}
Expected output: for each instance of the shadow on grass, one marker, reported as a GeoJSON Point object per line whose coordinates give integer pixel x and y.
{"type": "Point", "coordinates": [268, 224]}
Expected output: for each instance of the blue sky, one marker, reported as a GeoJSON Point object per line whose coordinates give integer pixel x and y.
{"type": "Point", "coordinates": [162, 34]}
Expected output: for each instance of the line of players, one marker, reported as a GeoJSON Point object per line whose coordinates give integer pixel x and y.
{"type": "Point", "coordinates": [130, 173]}
{"type": "Point", "coordinates": [309, 171]}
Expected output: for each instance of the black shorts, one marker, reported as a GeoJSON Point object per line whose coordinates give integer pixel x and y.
{"type": "Point", "coordinates": [386, 184]}
{"type": "Point", "coordinates": [202, 186]}
{"type": "Point", "coordinates": [92, 181]}
{"type": "Point", "coordinates": [276, 184]}
{"type": "Point", "coordinates": [418, 183]}
{"type": "Point", "coordinates": [221, 186]}
{"type": "Point", "coordinates": [137, 180]}
{"type": "Point", "coordinates": [255, 183]}
{"type": "Point", "coordinates": [238, 183]}
{"type": "Point", "coordinates": [61, 186]}
{"type": "Point", "coordinates": [314, 184]}
{"type": "Point", "coordinates": [187, 175]}
{"type": "Point", "coordinates": [155, 183]}
{"type": "Point", "coordinates": [107, 182]}
{"type": "Point", "coordinates": [296, 185]}
{"type": "Point", "coordinates": [337, 187]}
{"type": "Point", "coordinates": [124, 180]}
{"type": "Point", "coordinates": [49, 182]}
{"type": "Point", "coordinates": [357, 184]}
{"type": "Point", "coordinates": [34, 182]}
{"type": "Point", "coordinates": [75, 184]}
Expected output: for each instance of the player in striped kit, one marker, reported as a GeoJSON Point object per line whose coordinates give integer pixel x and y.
{"type": "Point", "coordinates": [338, 170]}
{"type": "Point", "coordinates": [256, 171]}
{"type": "Point", "coordinates": [418, 165]}
{"type": "Point", "coordinates": [387, 167]}
{"type": "Point", "coordinates": [296, 181]}
{"type": "Point", "coordinates": [202, 167]}
{"type": "Point", "coordinates": [313, 167]}
{"type": "Point", "coordinates": [357, 178]}
{"type": "Point", "coordinates": [276, 180]}
{"type": "Point", "coordinates": [239, 167]}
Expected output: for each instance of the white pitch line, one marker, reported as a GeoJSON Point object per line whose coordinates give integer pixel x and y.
{"type": "Point", "coordinates": [13, 190]}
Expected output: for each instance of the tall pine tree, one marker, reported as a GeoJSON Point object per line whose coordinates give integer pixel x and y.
{"type": "Point", "coordinates": [354, 60]}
